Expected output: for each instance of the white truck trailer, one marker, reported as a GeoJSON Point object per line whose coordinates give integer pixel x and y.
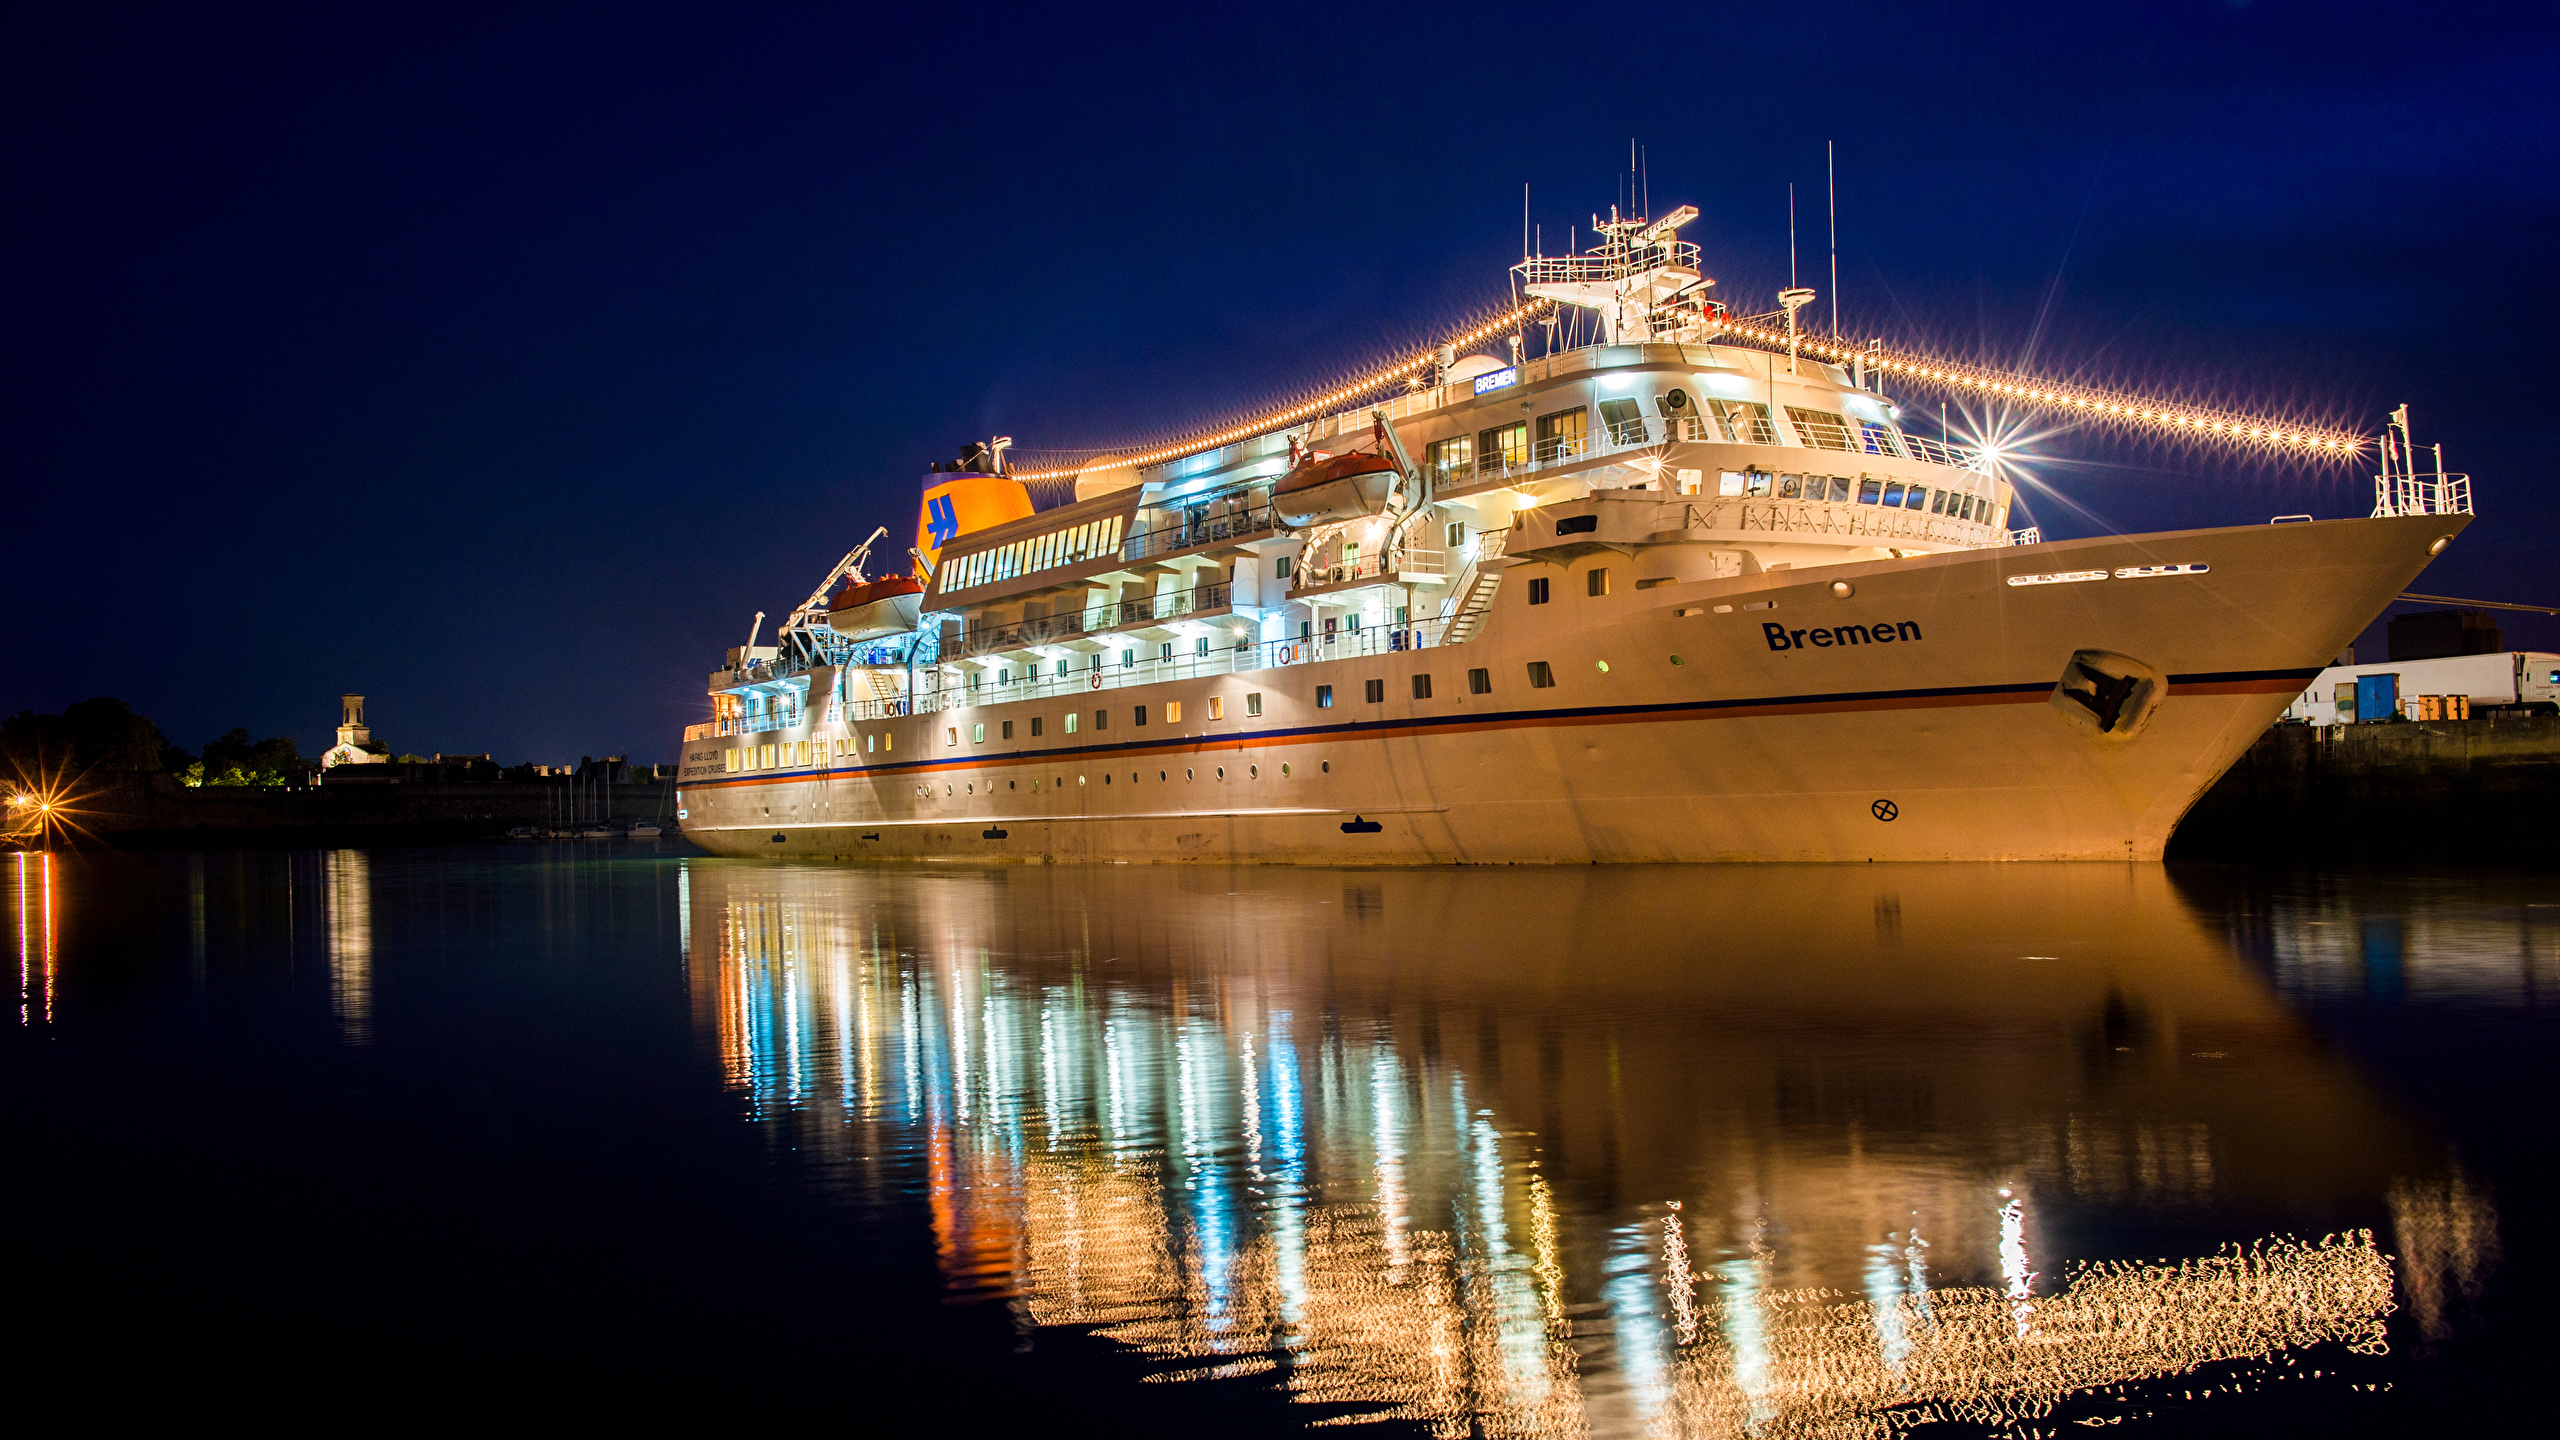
{"type": "Point", "coordinates": [2450, 687]}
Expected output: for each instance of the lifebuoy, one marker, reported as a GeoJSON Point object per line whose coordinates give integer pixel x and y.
{"type": "Point", "coordinates": [1097, 680]}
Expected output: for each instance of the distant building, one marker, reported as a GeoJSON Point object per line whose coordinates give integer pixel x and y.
{"type": "Point", "coordinates": [355, 743]}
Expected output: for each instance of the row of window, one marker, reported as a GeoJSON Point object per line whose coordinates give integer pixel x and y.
{"type": "Point", "coordinates": [1839, 489]}
{"type": "Point", "coordinates": [1073, 545]}
{"type": "Point", "coordinates": [796, 754]}
{"type": "Point", "coordinates": [958, 789]}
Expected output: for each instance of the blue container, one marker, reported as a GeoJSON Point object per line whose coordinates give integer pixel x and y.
{"type": "Point", "coordinates": [2377, 697]}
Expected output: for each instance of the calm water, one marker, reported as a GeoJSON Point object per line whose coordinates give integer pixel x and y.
{"type": "Point", "coordinates": [1750, 1150]}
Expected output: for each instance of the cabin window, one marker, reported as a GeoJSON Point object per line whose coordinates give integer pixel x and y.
{"type": "Point", "coordinates": [1562, 435]}
{"type": "Point", "coordinates": [1624, 420]}
{"type": "Point", "coordinates": [872, 741]}
{"type": "Point", "coordinates": [1071, 722]}
{"type": "Point", "coordinates": [1540, 676]}
{"type": "Point", "coordinates": [1455, 537]}
{"type": "Point", "coordinates": [1062, 669]}
{"type": "Point", "coordinates": [1421, 687]}
{"type": "Point", "coordinates": [1868, 490]}
{"type": "Point", "coordinates": [1538, 590]}
{"type": "Point", "coordinates": [1165, 651]}
{"type": "Point", "coordinates": [1101, 719]}
{"type": "Point", "coordinates": [1821, 429]}
{"type": "Point", "coordinates": [889, 744]}
{"type": "Point", "coordinates": [1253, 703]}
{"type": "Point", "coordinates": [1374, 691]}
{"type": "Point", "coordinates": [1324, 697]}
{"type": "Point", "coordinates": [1505, 447]}
{"type": "Point", "coordinates": [1138, 715]}
{"type": "Point", "coordinates": [1745, 422]}
{"type": "Point", "coordinates": [1035, 727]}
{"type": "Point", "coordinates": [1201, 647]}
{"type": "Point", "coordinates": [1128, 658]}
{"type": "Point", "coordinates": [950, 736]}
{"type": "Point", "coordinates": [1008, 730]}
{"type": "Point", "coordinates": [1453, 458]}
{"type": "Point", "coordinates": [1479, 682]}
{"type": "Point", "coordinates": [978, 734]}
{"type": "Point", "coordinates": [1217, 707]}
{"type": "Point", "coordinates": [1596, 580]}
{"type": "Point", "coordinates": [1173, 712]}
{"type": "Point", "coordinates": [1285, 566]}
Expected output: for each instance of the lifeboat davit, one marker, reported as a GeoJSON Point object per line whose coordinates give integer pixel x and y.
{"type": "Point", "coordinates": [886, 606]}
{"type": "Point", "coordinates": [1334, 487]}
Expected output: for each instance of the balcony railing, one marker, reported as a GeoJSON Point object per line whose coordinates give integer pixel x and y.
{"type": "Point", "coordinates": [1197, 528]}
{"type": "Point", "coordinates": [1653, 432]}
{"type": "Point", "coordinates": [1022, 634]}
{"type": "Point", "coordinates": [1142, 669]}
{"type": "Point", "coordinates": [1413, 561]}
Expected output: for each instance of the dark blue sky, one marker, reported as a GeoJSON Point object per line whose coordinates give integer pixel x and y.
{"type": "Point", "coordinates": [500, 365]}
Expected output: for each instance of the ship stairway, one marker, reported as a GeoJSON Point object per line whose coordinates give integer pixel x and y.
{"type": "Point", "coordinates": [1471, 599]}
{"type": "Point", "coordinates": [884, 685]}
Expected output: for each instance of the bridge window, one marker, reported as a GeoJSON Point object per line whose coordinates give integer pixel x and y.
{"type": "Point", "coordinates": [1869, 491]}
{"type": "Point", "coordinates": [1624, 420]}
{"type": "Point", "coordinates": [1791, 487]}
{"type": "Point", "coordinates": [1561, 436]}
{"type": "Point", "coordinates": [1893, 494]}
{"type": "Point", "coordinates": [1505, 447]}
{"type": "Point", "coordinates": [1913, 499]}
{"type": "Point", "coordinates": [1453, 458]}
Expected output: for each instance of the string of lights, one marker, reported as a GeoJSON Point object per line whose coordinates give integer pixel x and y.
{"type": "Point", "coordinates": [2113, 407]}
{"type": "Point", "coordinates": [1375, 380]}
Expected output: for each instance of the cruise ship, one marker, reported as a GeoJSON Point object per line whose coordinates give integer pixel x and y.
{"type": "Point", "coordinates": [1688, 586]}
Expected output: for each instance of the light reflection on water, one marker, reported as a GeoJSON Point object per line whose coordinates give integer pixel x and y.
{"type": "Point", "coordinates": [1763, 1150]}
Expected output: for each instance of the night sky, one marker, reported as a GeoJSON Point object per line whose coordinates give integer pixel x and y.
{"type": "Point", "coordinates": [500, 365]}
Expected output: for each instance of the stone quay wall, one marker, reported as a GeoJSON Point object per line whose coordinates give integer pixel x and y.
{"type": "Point", "coordinates": [155, 810]}
{"type": "Point", "coordinates": [2483, 788]}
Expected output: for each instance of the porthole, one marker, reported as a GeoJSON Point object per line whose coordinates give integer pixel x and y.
{"type": "Point", "coordinates": [1186, 774]}
{"type": "Point", "coordinates": [1079, 782]}
{"type": "Point", "coordinates": [1284, 769]}
{"type": "Point", "coordinates": [1159, 774]}
{"type": "Point", "coordinates": [1675, 659]}
{"type": "Point", "coordinates": [1106, 779]}
{"type": "Point", "coordinates": [1222, 772]}
{"type": "Point", "coordinates": [1327, 767]}
{"type": "Point", "coordinates": [1842, 589]}
{"type": "Point", "coordinates": [1253, 772]}
{"type": "Point", "coordinates": [1604, 666]}
{"type": "Point", "coordinates": [1008, 784]}
{"type": "Point", "coordinates": [973, 788]}
{"type": "Point", "coordinates": [946, 789]}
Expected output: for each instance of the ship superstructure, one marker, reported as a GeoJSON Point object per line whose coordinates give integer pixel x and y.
{"type": "Point", "coordinates": [1665, 596]}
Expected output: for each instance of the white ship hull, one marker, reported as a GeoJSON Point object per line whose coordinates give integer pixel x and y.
{"type": "Point", "coordinates": [1948, 742]}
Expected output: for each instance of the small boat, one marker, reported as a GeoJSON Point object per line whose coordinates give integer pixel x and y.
{"type": "Point", "coordinates": [1334, 487]}
{"type": "Point", "coordinates": [524, 832]}
{"type": "Point", "coordinates": [599, 832]}
{"type": "Point", "coordinates": [865, 609]}
{"type": "Point", "coordinates": [557, 833]}
{"type": "Point", "coordinates": [643, 830]}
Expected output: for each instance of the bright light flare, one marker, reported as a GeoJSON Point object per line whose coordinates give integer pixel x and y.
{"type": "Point", "coordinates": [2112, 407]}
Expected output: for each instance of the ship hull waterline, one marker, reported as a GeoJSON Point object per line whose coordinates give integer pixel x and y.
{"type": "Point", "coordinates": [1758, 743]}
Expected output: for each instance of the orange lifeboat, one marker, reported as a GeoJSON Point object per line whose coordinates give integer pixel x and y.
{"type": "Point", "coordinates": [1334, 487]}
{"type": "Point", "coordinates": [887, 606]}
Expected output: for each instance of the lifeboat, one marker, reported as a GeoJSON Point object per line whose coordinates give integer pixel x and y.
{"type": "Point", "coordinates": [1334, 487]}
{"type": "Point", "coordinates": [887, 606]}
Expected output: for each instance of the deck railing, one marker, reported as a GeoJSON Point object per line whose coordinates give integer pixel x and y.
{"type": "Point", "coordinates": [1019, 634]}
